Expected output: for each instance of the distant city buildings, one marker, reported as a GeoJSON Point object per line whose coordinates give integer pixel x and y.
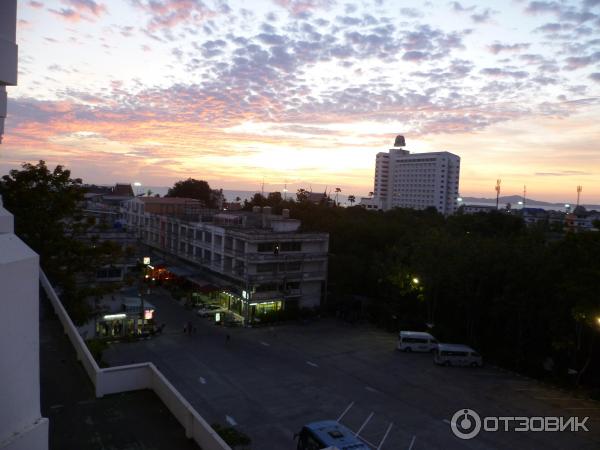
{"type": "Point", "coordinates": [261, 260]}
{"type": "Point", "coordinates": [418, 180]}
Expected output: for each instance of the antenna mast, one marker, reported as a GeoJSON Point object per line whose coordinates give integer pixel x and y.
{"type": "Point", "coordinates": [524, 195]}
{"type": "Point", "coordinates": [497, 191]}
{"type": "Point", "coordinates": [579, 189]}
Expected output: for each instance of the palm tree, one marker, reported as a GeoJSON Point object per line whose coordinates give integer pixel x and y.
{"type": "Point", "coordinates": [351, 199]}
{"type": "Point", "coordinates": [337, 191]}
{"type": "Point", "coordinates": [371, 194]}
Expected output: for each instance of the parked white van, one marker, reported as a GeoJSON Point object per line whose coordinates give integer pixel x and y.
{"type": "Point", "coordinates": [457, 355]}
{"type": "Point", "coordinates": [416, 341]}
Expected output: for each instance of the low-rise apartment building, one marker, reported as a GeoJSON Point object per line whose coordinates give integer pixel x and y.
{"type": "Point", "coordinates": [262, 260]}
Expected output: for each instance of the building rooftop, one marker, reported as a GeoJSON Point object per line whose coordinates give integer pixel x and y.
{"type": "Point", "coordinates": [79, 420]}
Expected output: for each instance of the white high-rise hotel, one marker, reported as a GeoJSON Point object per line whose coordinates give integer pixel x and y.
{"type": "Point", "coordinates": [418, 180]}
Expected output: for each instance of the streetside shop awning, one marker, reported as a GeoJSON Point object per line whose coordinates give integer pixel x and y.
{"type": "Point", "coordinates": [179, 271]}
{"type": "Point", "coordinates": [203, 285]}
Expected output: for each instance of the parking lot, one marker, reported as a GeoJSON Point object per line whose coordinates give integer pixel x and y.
{"type": "Point", "coordinates": [270, 381]}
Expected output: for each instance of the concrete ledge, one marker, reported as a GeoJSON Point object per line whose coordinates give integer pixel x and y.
{"type": "Point", "coordinates": [133, 377]}
{"type": "Point", "coordinates": [28, 438]}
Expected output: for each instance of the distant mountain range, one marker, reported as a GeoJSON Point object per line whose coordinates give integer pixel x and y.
{"type": "Point", "coordinates": [515, 199]}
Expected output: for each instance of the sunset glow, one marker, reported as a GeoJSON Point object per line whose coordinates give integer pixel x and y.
{"type": "Point", "coordinates": [306, 92]}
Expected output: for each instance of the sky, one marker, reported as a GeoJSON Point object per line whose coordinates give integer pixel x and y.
{"type": "Point", "coordinates": [306, 92]}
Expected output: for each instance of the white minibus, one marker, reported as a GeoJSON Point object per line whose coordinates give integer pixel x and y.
{"type": "Point", "coordinates": [457, 355]}
{"type": "Point", "coordinates": [416, 341]}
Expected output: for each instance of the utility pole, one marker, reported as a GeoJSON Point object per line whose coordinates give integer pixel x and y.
{"type": "Point", "coordinates": [524, 195]}
{"type": "Point", "coordinates": [579, 189]}
{"type": "Point", "coordinates": [497, 191]}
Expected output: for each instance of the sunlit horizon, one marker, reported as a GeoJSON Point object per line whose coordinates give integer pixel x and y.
{"type": "Point", "coordinates": [305, 93]}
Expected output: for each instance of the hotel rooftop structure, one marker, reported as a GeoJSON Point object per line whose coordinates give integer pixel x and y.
{"type": "Point", "coordinates": [261, 260]}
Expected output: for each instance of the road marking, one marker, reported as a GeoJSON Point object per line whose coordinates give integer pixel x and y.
{"type": "Point", "coordinates": [370, 389]}
{"type": "Point", "coordinates": [310, 363]}
{"type": "Point", "coordinates": [265, 344]}
{"type": "Point", "coordinates": [447, 421]}
{"type": "Point", "coordinates": [202, 380]}
{"type": "Point", "coordinates": [231, 421]}
{"type": "Point", "coordinates": [414, 438]}
{"type": "Point", "coordinates": [56, 406]}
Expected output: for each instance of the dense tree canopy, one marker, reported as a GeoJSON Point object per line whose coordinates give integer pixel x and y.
{"type": "Point", "coordinates": [46, 205]}
{"type": "Point", "coordinates": [520, 295]}
{"type": "Point", "coordinates": [192, 188]}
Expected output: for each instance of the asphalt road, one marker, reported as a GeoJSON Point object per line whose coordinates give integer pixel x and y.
{"type": "Point", "coordinates": [268, 382]}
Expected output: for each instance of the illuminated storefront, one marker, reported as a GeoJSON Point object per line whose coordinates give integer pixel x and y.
{"type": "Point", "coordinates": [129, 323]}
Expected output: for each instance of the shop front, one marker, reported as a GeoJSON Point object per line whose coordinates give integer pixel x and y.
{"type": "Point", "coordinates": [130, 323]}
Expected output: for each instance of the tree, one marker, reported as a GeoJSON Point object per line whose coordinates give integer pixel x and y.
{"type": "Point", "coordinates": [337, 191]}
{"type": "Point", "coordinates": [45, 205]}
{"type": "Point", "coordinates": [351, 199]}
{"type": "Point", "coordinates": [48, 217]}
{"type": "Point", "coordinates": [192, 188]}
{"type": "Point", "coordinates": [302, 195]}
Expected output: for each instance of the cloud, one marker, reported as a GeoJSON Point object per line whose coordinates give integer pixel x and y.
{"type": "Point", "coordinates": [458, 7]}
{"type": "Point", "coordinates": [577, 62]}
{"type": "Point", "coordinates": [36, 5]}
{"type": "Point", "coordinates": [167, 14]}
{"type": "Point", "coordinates": [595, 77]}
{"type": "Point", "coordinates": [562, 173]}
{"type": "Point", "coordinates": [411, 13]}
{"type": "Point", "coordinates": [77, 10]}
{"type": "Point", "coordinates": [301, 7]}
{"type": "Point", "coordinates": [86, 6]}
{"type": "Point", "coordinates": [541, 7]}
{"type": "Point", "coordinates": [503, 73]}
{"type": "Point", "coordinates": [484, 16]}
{"type": "Point", "coordinates": [498, 47]}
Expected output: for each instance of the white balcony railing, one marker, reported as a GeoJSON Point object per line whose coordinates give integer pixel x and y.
{"type": "Point", "coordinates": [134, 377]}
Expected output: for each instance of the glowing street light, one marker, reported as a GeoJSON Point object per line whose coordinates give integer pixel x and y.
{"type": "Point", "coordinates": [415, 280]}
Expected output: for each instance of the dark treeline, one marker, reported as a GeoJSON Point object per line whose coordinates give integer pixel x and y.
{"type": "Point", "coordinates": [528, 300]}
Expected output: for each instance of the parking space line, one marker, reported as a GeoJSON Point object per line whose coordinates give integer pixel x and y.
{"type": "Point", "coordinates": [231, 421]}
{"type": "Point", "coordinates": [412, 442]}
{"type": "Point", "coordinates": [202, 380]}
{"type": "Point", "coordinates": [310, 363]}
{"type": "Point", "coordinates": [265, 344]}
{"type": "Point", "coordinates": [370, 389]}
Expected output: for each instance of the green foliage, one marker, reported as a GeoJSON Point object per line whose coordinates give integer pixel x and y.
{"type": "Point", "coordinates": [231, 436]}
{"type": "Point", "coordinates": [96, 348]}
{"type": "Point", "coordinates": [192, 188]}
{"type": "Point", "coordinates": [45, 206]}
{"type": "Point", "coordinates": [48, 217]}
{"type": "Point", "coordinates": [516, 294]}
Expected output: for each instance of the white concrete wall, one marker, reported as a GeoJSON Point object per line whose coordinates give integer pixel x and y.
{"type": "Point", "coordinates": [8, 53]}
{"type": "Point", "coordinates": [135, 377]}
{"type": "Point", "coordinates": [21, 424]}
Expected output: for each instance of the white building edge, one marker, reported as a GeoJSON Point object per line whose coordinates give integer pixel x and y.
{"type": "Point", "coordinates": [22, 426]}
